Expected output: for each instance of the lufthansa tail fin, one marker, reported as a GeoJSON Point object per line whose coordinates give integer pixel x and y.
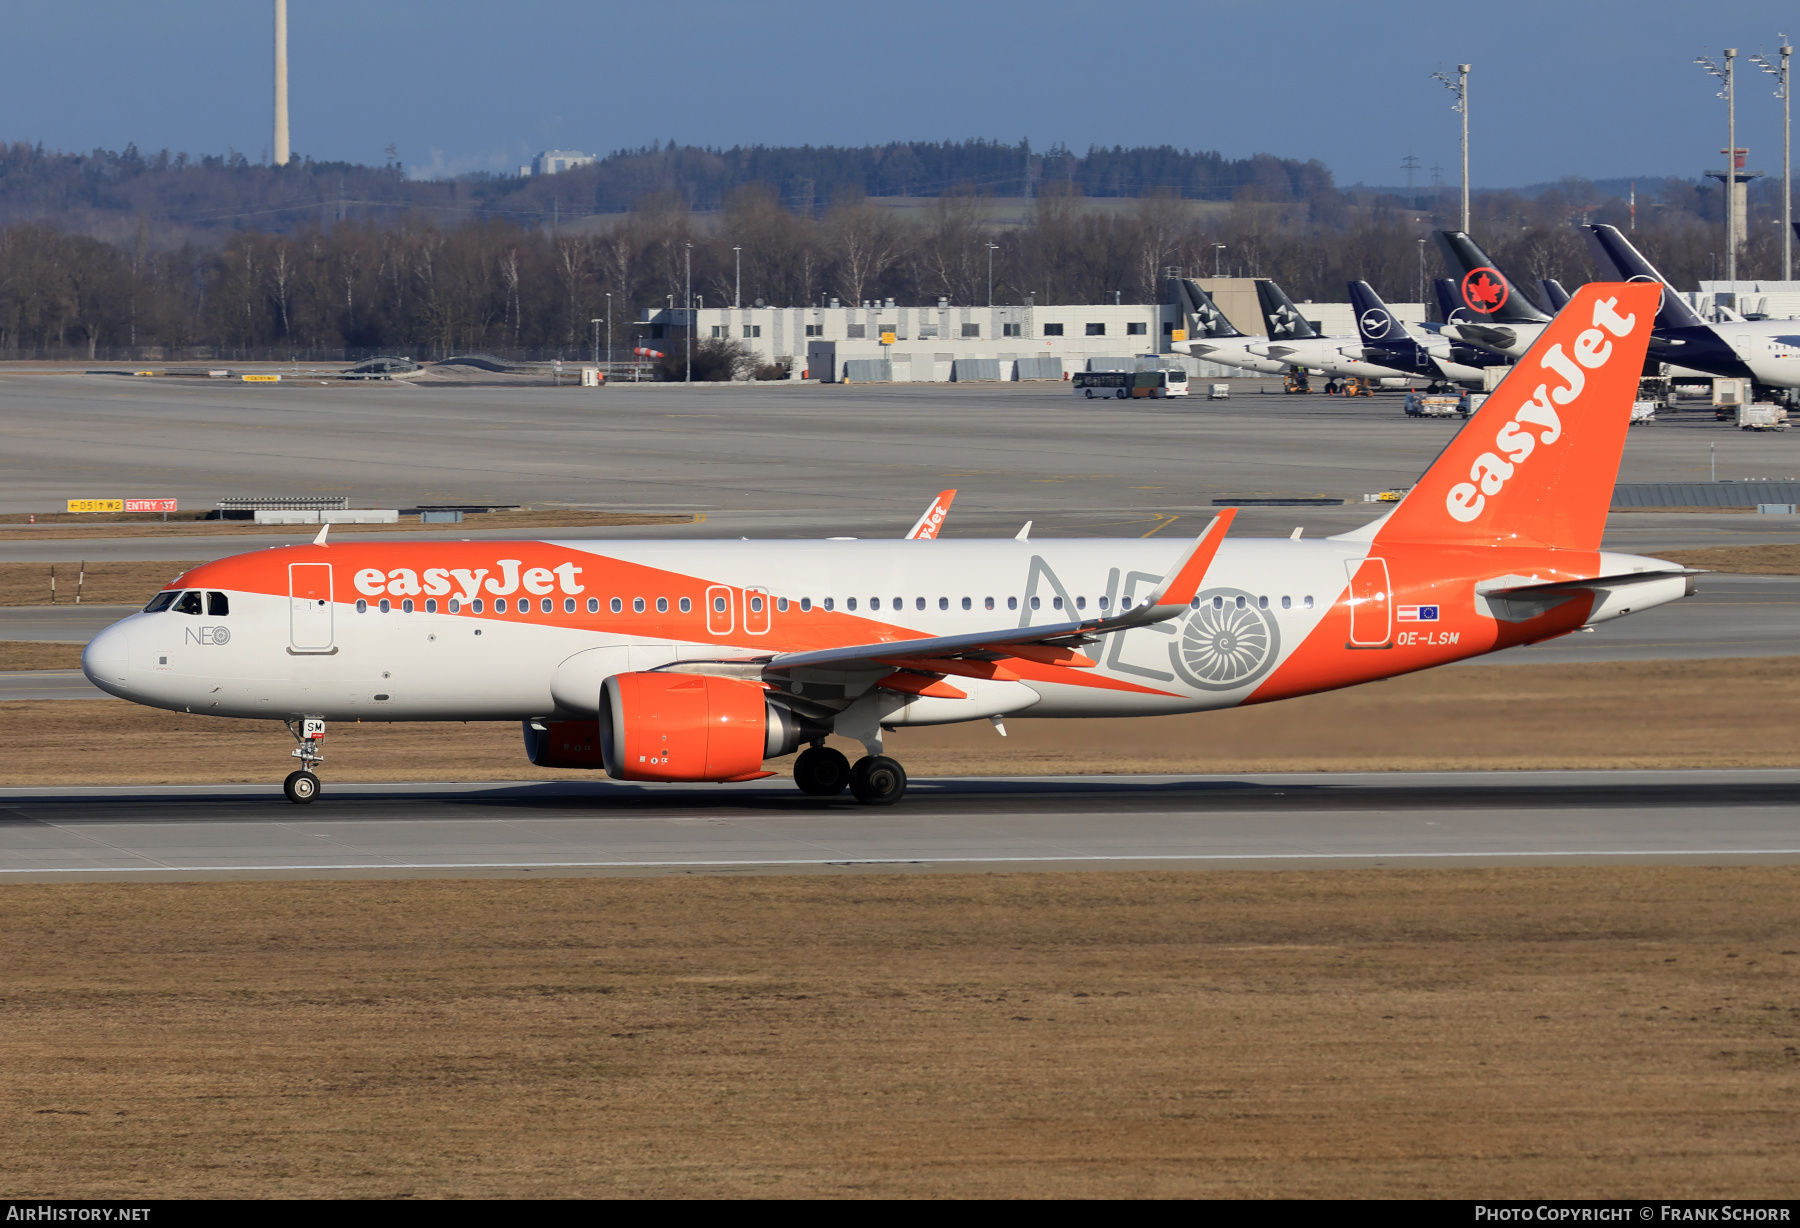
{"type": "Point", "coordinates": [1536, 464]}
{"type": "Point", "coordinates": [1376, 325]}
{"type": "Point", "coordinates": [1205, 320]}
{"type": "Point", "coordinates": [1554, 295]}
{"type": "Point", "coordinates": [1284, 319]}
{"type": "Point", "coordinates": [1616, 257]}
{"type": "Point", "coordinates": [1449, 306]}
{"type": "Point", "coordinates": [1486, 294]}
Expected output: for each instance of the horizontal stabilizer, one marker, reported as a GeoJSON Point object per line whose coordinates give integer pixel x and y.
{"type": "Point", "coordinates": [1577, 586]}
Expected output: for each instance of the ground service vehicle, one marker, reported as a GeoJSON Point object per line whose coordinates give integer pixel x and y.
{"type": "Point", "coordinates": [1423, 405]}
{"type": "Point", "coordinates": [688, 660]}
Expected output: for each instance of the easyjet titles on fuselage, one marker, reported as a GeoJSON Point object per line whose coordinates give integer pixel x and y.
{"type": "Point", "coordinates": [440, 581]}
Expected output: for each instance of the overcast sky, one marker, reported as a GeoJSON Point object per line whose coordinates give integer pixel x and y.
{"type": "Point", "coordinates": [1595, 88]}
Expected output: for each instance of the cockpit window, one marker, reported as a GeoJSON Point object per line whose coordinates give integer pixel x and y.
{"type": "Point", "coordinates": [217, 605]}
{"type": "Point", "coordinates": [189, 604]}
{"type": "Point", "coordinates": [161, 602]}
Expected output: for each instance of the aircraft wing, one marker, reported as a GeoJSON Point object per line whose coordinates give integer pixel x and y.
{"type": "Point", "coordinates": [1171, 598]}
{"type": "Point", "coordinates": [927, 526]}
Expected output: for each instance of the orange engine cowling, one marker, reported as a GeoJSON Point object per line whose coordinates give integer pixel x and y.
{"type": "Point", "coordinates": [658, 726]}
{"type": "Point", "coordinates": [564, 744]}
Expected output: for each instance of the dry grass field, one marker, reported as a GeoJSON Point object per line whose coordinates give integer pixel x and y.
{"type": "Point", "coordinates": [1575, 1033]}
{"type": "Point", "coordinates": [1773, 560]}
{"type": "Point", "coordinates": [101, 583]}
{"type": "Point", "coordinates": [38, 654]}
{"type": "Point", "coordinates": [1638, 714]}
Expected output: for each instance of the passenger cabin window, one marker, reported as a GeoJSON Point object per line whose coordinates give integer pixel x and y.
{"type": "Point", "coordinates": [218, 605]}
{"type": "Point", "coordinates": [189, 604]}
{"type": "Point", "coordinates": [160, 602]}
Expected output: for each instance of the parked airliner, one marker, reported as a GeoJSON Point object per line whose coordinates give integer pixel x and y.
{"type": "Point", "coordinates": [704, 660]}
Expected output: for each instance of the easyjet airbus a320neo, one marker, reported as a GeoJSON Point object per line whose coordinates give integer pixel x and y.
{"type": "Point", "coordinates": [702, 661]}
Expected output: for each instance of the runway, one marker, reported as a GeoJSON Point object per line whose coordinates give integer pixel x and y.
{"type": "Point", "coordinates": [1294, 821]}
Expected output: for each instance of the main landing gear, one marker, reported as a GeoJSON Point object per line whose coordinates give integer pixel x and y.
{"type": "Point", "coordinates": [875, 780]}
{"type": "Point", "coordinates": [303, 785]}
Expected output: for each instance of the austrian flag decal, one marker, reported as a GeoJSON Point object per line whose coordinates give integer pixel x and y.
{"type": "Point", "coordinates": [1416, 613]}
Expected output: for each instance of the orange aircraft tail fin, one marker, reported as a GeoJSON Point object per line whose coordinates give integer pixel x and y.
{"type": "Point", "coordinates": [1536, 463]}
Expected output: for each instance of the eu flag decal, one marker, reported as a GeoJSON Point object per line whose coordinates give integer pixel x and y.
{"type": "Point", "coordinates": [1417, 613]}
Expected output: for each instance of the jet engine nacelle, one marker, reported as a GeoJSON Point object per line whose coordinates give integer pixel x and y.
{"type": "Point", "coordinates": [667, 726]}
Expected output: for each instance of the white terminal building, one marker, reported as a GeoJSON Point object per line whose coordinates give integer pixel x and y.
{"type": "Point", "coordinates": [882, 342]}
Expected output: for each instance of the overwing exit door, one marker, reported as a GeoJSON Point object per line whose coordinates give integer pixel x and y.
{"type": "Point", "coordinates": [309, 607]}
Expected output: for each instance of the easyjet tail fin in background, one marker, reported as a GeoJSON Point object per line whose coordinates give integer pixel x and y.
{"type": "Point", "coordinates": [1536, 464]}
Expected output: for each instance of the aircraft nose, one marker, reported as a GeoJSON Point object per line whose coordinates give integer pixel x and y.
{"type": "Point", "coordinates": [105, 658]}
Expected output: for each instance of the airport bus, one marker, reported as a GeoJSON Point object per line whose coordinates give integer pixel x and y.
{"type": "Point", "coordinates": [1122, 384]}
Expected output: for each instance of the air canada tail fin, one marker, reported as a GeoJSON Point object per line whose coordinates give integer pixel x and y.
{"type": "Point", "coordinates": [1555, 297]}
{"type": "Point", "coordinates": [1284, 319]}
{"type": "Point", "coordinates": [1617, 258]}
{"type": "Point", "coordinates": [1205, 320]}
{"type": "Point", "coordinates": [1486, 294]}
{"type": "Point", "coordinates": [1536, 464]}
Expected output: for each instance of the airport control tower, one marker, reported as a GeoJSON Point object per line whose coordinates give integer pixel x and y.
{"type": "Point", "coordinates": [1738, 193]}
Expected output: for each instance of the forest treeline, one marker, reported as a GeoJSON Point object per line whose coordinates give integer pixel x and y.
{"type": "Point", "coordinates": [415, 284]}
{"type": "Point", "coordinates": [102, 191]}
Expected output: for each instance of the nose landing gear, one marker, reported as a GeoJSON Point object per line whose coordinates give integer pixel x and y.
{"type": "Point", "coordinates": [302, 786]}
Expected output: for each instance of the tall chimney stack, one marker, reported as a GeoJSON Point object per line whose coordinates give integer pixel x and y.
{"type": "Point", "coordinates": [281, 118]}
